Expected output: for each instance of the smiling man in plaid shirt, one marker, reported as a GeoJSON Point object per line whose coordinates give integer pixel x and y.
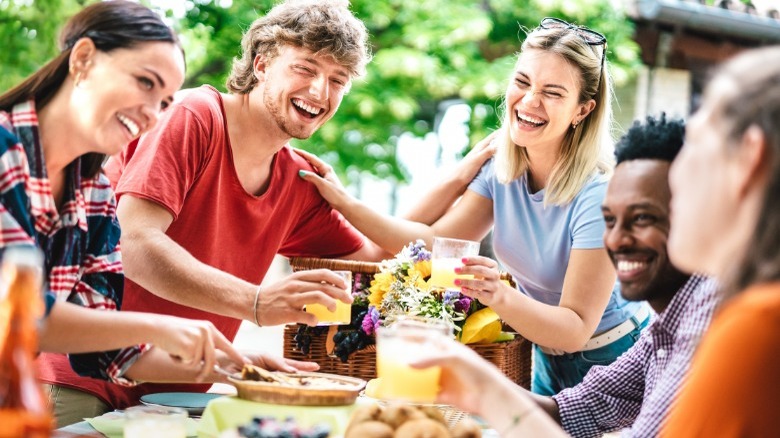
{"type": "Point", "coordinates": [636, 390]}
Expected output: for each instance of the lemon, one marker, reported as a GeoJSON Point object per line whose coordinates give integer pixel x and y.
{"type": "Point", "coordinates": [481, 326]}
{"type": "Point", "coordinates": [372, 388]}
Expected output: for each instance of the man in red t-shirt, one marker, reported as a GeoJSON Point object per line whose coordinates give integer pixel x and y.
{"type": "Point", "coordinates": [212, 194]}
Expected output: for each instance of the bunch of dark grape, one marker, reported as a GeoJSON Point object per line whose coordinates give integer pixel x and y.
{"type": "Point", "coordinates": [350, 341]}
{"type": "Point", "coordinates": [303, 336]}
{"type": "Point", "coordinates": [270, 427]}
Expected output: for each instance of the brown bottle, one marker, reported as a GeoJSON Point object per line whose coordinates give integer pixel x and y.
{"type": "Point", "coordinates": [23, 408]}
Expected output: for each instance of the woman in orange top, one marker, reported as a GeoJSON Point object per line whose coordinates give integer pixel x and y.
{"type": "Point", "coordinates": [732, 149]}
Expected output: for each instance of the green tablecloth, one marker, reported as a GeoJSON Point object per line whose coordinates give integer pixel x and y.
{"type": "Point", "coordinates": [230, 412]}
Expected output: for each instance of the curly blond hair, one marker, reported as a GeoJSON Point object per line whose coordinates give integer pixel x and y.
{"type": "Point", "coordinates": [325, 27]}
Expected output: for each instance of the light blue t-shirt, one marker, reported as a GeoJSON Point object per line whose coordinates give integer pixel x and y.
{"type": "Point", "coordinates": [534, 243]}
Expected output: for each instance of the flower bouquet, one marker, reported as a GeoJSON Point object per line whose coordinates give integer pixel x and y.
{"type": "Point", "coordinates": [401, 288]}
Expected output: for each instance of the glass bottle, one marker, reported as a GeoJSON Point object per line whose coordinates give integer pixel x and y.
{"type": "Point", "coordinates": [23, 408]}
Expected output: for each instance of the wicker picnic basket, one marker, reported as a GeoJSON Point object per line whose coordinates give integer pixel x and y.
{"type": "Point", "coordinates": [512, 357]}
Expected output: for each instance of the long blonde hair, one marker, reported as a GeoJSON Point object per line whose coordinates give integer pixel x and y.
{"type": "Point", "coordinates": [587, 148]}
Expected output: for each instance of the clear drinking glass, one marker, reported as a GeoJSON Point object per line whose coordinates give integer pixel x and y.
{"type": "Point", "coordinates": [343, 313]}
{"type": "Point", "coordinates": [161, 421]}
{"type": "Point", "coordinates": [446, 256]}
{"type": "Point", "coordinates": [406, 340]}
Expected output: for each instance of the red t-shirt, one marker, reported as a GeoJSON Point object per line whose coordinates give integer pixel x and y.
{"type": "Point", "coordinates": [186, 165]}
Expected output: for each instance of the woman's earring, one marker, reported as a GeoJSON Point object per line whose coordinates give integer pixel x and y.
{"type": "Point", "coordinates": [77, 80]}
{"type": "Point", "coordinates": [574, 125]}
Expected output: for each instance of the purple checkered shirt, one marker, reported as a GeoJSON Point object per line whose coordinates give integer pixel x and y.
{"type": "Point", "coordinates": [636, 390]}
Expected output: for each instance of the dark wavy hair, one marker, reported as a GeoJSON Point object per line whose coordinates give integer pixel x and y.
{"type": "Point", "coordinates": [655, 139]}
{"type": "Point", "coordinates": [117, 24]}
{"type": "Point", "coordinates": [755, 102]}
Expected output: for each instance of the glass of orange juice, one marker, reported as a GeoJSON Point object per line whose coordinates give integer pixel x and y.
{"type": "Point", "coordinates": [446, 256]}
{"type": "Point", "coordinates": [403, 341]}
{"type": "Point", "coordinates": [343, 313]}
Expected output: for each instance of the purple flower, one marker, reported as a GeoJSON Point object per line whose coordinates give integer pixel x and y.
{"type": "Point", "coordinates": [462, 305]}
{"type": "Point", "coordinates": [417, 251]}
{"type": "Point", "coordinates": [450, 297]}
{"type": "Point", "coordinates": [359, 290]}
{"type": "Point", "coordinates": [357, 282]}
{"type": "Point", "coordinates": [370, 321]}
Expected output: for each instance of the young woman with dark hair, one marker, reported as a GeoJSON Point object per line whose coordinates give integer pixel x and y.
{"type": "Point", "coordinates": [118, 68]}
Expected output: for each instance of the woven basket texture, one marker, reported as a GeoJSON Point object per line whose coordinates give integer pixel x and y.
{"type": "Point", "coordinates": [513, 358]}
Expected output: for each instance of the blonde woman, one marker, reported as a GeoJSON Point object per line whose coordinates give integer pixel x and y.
{"type": "Point", "coordinates": [542, 195]}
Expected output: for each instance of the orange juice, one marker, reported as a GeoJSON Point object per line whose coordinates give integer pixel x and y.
{"type": "Point", "coordinates": [409, 339]}
{"type": "Point", "coordinates": [342, 315]}
{"type": "Point", "coordinates": [399, 381]}
{"type": "Point", "coordinates": [443, 273]}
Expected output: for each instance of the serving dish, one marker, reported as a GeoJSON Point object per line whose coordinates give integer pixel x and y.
{"type": "Point", "coordinates": [301, 389]}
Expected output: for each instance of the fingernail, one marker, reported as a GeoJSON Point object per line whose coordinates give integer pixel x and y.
{"type": "Point", "coordinates": [464, 260]}
{"type": "Point", "coordinates": [458, 270]}
{"type": "Point", "coordinates": [302, 173]}
{"type": "Point", "coordinates": [457, 282]}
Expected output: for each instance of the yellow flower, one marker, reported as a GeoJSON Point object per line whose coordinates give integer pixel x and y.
{"type": "Point", "coordinates": [379, 287]}
{"type": "Point", "coordinates": [423, 268]}
{"type": "Point", "coordinates": [417, 275]}
{"type": "Point", "coordinates": [420, 284]}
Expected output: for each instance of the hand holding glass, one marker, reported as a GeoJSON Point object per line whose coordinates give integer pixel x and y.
{"type": "Point", "coordinates": [447, 254]}
{"type": "Point", "coordinates": [343, 313]}
{"type": "Point", "coordinates": [404, 341]}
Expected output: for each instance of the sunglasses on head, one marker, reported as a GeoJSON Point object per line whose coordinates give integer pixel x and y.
{"type": "Point", "coordinates": [591, 37]}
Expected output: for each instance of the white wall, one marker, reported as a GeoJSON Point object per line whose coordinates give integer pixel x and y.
{"type": "Point", "coordinates": [663, 89]}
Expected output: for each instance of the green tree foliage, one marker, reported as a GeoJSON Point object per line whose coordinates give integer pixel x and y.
{"type": "Point", "coordinates": [425, 53]}
{"type": "Point", "coordinates": [29, 31]}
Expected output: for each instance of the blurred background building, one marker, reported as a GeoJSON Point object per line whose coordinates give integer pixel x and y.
{"type": "Point", "coordinates": [681, 40]}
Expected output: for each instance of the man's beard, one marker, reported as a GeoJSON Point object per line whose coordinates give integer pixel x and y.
{"type": "Point", "coordinates": [284, 124]}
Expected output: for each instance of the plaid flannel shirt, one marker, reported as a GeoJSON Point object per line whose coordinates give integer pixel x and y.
{"type": "Point", "coordinates": [637, 389]}
{"type": "Point", "coordinates": [80, 241]}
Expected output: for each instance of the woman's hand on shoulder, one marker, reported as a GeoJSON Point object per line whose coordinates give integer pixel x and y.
{"type": "Point", "coordinates": [325, 179]}
{"type": "Point", "coordinates": [470, 165]}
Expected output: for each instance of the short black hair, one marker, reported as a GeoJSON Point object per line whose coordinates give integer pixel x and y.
{"type": "Point", "coordinates": [655, 139]}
